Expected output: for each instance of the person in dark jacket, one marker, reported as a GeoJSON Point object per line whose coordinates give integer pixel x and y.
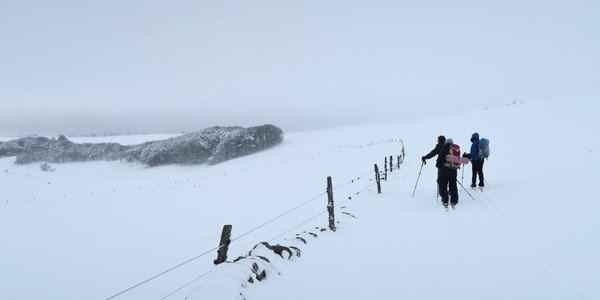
{"type": "Point", "coordinates": [476, 161]}
{"type": "Point", "coordinates": [446, 176]}
{"type": "Point", "coordinates": [438, 148]}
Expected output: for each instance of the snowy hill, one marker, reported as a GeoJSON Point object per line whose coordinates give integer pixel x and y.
{"type": "Point", "coordinates": [91, 230]}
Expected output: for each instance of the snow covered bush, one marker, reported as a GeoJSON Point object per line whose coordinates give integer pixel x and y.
{"type": "Point", "coordinates": [15, 147]}
{"type": "Point", "coordinates": [62, 150]}
{"type": "Point", "coordinates": [212, 145]}
{"type": "Point", "coordinates": [244, 141]}
{"type": "Point", "coordinates": [46, 167]}
{"type": "Point", "coordinates": [191, 148]}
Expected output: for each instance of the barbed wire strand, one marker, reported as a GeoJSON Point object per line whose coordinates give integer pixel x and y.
{"type": "Point", "coordinates": [186, 285]}
{"type": "Point", "coordinates": [292, 209]}
{"type": "Point", "coordinates": [213, 249]}
{"type": "Point", "coordinates": [205, 274]}
{"type": "Point", "coordinates": [237, 238]}
{"type": "Point", "coordinates": [287, 231]}
{"type": "Point", "coordinates": [353, 180]}
{"type": "Point", "coordinates": [277, 217]}
{"type": "Point", "coordinates": [320, 214]}
{"type": "Point", "coordinates": [163, 272]}
{"type": "Point", "coordinates": [312, 218]}
{"type": "Point", "coordinates": [278, 236]}
{"type": "Point", "coordinates": [287, 212]}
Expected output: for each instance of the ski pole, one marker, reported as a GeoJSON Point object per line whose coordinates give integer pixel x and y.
{"type": "Point", "coordinates": [463, 175]}
{"type": "Point", "coordinates": [418, 179]}
{"type": "Point", "coordinates": [465, 190]}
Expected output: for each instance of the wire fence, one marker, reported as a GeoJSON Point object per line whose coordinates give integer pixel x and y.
{"type": "Point", "coordinates": [338, 204]}
{"type": "Point", "coordinates": [212, 250]}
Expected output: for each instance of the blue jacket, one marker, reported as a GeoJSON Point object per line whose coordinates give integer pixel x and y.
{"type": "Point", "coordinates": [474, 155]}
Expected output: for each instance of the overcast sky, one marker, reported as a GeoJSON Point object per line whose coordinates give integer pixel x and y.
{"type": "Point", "coordinates": [75, 67]}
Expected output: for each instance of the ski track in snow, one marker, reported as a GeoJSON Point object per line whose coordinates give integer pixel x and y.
{"type": "Point", "coordinates": [540, 260]}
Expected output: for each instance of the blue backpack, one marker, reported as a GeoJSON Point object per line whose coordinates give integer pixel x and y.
{"type": "Point", "coordinates": [484, 148]}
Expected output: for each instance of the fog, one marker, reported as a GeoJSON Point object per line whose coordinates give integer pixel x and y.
{"type": "Point", "coordinates": [80, 67]}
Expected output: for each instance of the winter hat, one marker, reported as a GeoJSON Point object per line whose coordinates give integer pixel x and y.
{"type": "Point", "coordinates": [441, 139]}
{"type": "Point", "coordinates": [475, 136]}
{"type": "Point", "coordinates": [449, 141]}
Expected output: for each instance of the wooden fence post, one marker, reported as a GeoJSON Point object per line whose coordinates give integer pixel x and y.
{"type": "Point", "coordinates": [391, 163]}
{"type": "Point", "coordinates": [330, 205]}
{"type": "Point", "coordinates": [385, 164]}
{"type": "Point", "coordinates": [377, 179]}
{"type": "Point", "coordinates": [403, 154]}
{"type": "Point", "coordinates": [398, 162]}
{"type": "Point", "coordinates": [385, 169]}
{"type": "Point", "coordinates": [223, 245]}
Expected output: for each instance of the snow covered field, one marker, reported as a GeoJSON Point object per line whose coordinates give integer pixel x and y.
{"type": "Point", "coordinates": [90, 230]}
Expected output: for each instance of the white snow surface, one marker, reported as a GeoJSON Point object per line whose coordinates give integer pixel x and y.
{"type": "Point", "coordinates": [91, 230]}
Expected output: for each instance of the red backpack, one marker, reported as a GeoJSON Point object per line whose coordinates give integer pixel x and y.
{"type": "Point", "coordinates": [453, 159]}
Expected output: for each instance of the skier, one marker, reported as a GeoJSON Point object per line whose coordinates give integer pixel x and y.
{"type": "Point", "coordinates": [438, 148]}
{"type": "Point", "coordinates": [446, 177]}
{"type": "Point", "coordinates": [476, 161]}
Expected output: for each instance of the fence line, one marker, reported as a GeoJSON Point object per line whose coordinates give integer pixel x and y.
{"type": "Point", "coordinates": [278, 236]}
{"type": "Point", "coordinates": [217, 248]}
{"type": "Point", "coordinates": [304, 203]}
{"type": "Point", "coordinates": [243, 235]}
{"type": "Point", "coordinates": [272, 239]}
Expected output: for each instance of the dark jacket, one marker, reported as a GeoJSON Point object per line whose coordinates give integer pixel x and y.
{"type": "Point", "coordinates": [439, 163]}
{"type": "Point", "coordinates": [435, 151]}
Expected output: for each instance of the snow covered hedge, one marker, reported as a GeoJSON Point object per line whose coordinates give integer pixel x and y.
{"type": "Point", "coordinates": [240, 142]}
{"type": "Point", "coordinates": [212, 145]}
{"type": "Point", "coordinates": [36, 149]}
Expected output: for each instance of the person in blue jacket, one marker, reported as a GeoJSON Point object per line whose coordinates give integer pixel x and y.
{"type": "Point", "coordinates": [476, 161]}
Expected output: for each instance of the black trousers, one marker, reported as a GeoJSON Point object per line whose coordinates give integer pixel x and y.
{"type": "Point", "coordinates": [477, 170]}
{"type": "Point", "coordinates": [445, 181]}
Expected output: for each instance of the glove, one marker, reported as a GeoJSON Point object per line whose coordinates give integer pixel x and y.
{"type": "Point", "coordinates": [423, 160]}
{"type": "Point", "coordinates": [465, 155]}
